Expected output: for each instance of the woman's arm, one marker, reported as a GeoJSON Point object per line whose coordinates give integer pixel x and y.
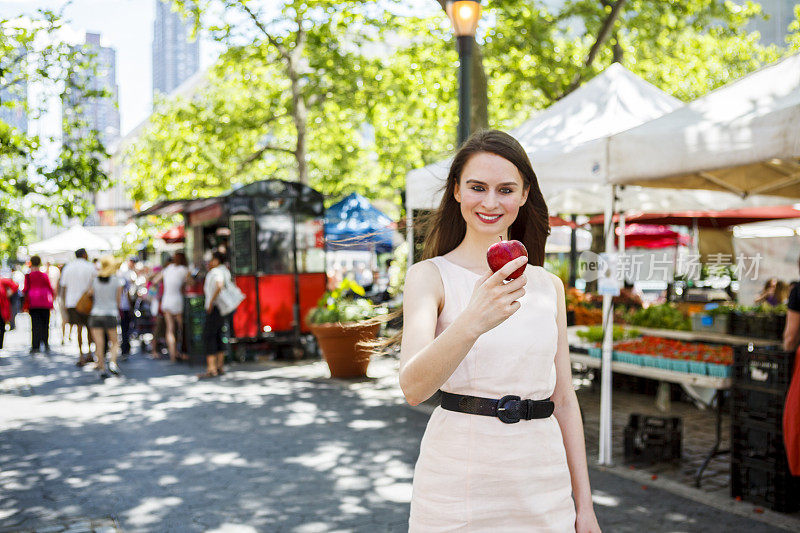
{"type": "Point", "coordinates": [426, 361]}
{"type": "Point", "coordinates": [567, 412]}
{"type": "Point", "coordinates": [210, 303]}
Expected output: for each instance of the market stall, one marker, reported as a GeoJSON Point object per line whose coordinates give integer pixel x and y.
{"type": "Point", "coordinates": [741, 138]}
{"type": "Point", "coordinates": [272, 232]}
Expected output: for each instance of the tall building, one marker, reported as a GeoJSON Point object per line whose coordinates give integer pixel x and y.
{"type": "Point", "coordinates": [98, 113]}
{"type": "Point", "coordinates": [774, 29]}
{"type": "Point", "coordinates": [176, 56]}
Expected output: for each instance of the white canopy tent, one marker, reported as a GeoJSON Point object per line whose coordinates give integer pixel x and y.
{"type": "Point", "coordinates": [741, 138]}
{"type": "Point", "coordinates": [567, 141]}
{"type": "Point", "coordinates": [61, 247]}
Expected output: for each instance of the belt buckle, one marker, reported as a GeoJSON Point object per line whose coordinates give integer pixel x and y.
{"type": "Point", "coordinates": [507, 412]}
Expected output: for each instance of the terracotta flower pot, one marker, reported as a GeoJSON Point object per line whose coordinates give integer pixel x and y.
{"type": "Point", "coordinates": [339, 346]}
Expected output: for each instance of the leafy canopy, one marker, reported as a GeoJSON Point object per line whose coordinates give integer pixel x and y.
{"type": "Point", "coordinates": [33, 56]}
{"type": "Point", "coordinates": [361, 94]}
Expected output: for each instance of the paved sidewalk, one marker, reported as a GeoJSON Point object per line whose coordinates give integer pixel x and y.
{"type": "Point", "coordinates": [267, 447]}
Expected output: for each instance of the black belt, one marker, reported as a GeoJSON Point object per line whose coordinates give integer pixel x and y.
{"type": "Point", "coordinates": [509, 409]}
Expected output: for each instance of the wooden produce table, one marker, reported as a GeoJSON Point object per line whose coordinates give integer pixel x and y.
{"type": "Point", "coordinates": [719, 384]}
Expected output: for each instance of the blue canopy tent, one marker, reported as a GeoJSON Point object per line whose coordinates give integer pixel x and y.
{"type": "Point", "coordinates": [355, 224]}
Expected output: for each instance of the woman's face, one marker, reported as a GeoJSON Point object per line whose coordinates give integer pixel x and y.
{"type": "Point", "coordinates": [490, 192]}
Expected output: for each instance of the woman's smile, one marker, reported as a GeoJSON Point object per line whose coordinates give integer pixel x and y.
{"type": "Point", "coordinates": [487, 218]}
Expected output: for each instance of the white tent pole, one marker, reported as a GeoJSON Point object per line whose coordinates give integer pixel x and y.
{"type": "Point", "coordinates": [604, 455]}
{"type": "Point", "coordinates": [410, 235]}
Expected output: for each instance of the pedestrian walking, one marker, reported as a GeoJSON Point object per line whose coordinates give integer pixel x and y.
{"type": "Point", "coordinates": [7, 287]}
{"type": "Point", "coordinates": [39, 295]}
{"type": "Point", "coordinates": [126, 301]}
{"type": "Point", "coordinates": [154, 293]}
{"type": "Point", "coordinates": [76, 279]}
{"type": "Point", "coordinates": [505, 450]}
{"type": "Point", "coordinates": [174, 278]}
{"type": "Point", "coordinates": [106, 290]}
{"type": "Point", "coordinates": [17, 299]}
{"type": "Point", "coordinates": [60, 307]}
{"type": "Point", "coordinates": [216, 278]}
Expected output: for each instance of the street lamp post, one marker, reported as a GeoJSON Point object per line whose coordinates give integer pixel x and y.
{"type": "Point", "coordinates": [464, 14]}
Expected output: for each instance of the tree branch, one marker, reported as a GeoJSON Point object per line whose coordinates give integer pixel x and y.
{"type": "Point", "coordinates": [260, 152]}
{"type": "Point", "coordinates": [602, 36]}
{"type": "Point", "coordinates": [260, 25]}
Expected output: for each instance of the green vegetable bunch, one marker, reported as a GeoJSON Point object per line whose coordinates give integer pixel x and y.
{"type": "Point", "coordinates": [344, 304]}
{"type": "Point", "coordinates": [595, 333]}
{"type": "Point", "coordinates": [663, 316]}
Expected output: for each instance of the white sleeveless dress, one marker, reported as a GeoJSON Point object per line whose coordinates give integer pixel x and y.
{"type": "Point", "coordinates": [476, 473]}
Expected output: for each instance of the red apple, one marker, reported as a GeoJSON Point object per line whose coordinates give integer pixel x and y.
{"type": "Point", "coordinates": [502, 252]}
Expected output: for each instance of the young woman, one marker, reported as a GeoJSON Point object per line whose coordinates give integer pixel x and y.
{"type": "Point", "coordinates": [174, 276]}
{"type": "Point", "coordinates": [216, 278]}
{"type": "Point", "coordinates": [39, 294]}
{"type": "Point", "coordinates": [104, 318]}
{"type": "Point", "coordinates": [489, 462]}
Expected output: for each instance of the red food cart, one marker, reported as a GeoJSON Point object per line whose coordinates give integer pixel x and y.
{"type": "Point", "coordinates": [273, 234]}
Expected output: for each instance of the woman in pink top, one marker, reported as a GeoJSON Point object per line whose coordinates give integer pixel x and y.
{"type": "Point", "coordinates": [39, 295]}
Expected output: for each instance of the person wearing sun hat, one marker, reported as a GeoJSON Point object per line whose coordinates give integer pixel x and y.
{"type": "Point", "coordinates": [104, 318]}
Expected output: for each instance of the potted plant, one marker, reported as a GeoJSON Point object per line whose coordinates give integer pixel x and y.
{"type": "Point", "coordinates": [341, 324]}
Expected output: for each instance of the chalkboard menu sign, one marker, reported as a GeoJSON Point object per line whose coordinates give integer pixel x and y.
{"type": "Point", "coordinates": [241, 249]}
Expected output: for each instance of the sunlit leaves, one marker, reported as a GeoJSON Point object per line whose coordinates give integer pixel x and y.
{"type": "Point", "coordinates": [32, 55]}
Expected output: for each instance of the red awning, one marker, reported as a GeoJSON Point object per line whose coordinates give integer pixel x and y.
{"type": "Point", "coordinates": [173, 235]}
{"type": "Point", "coordinates": [709, 219]}
{"type": "Point", "coordinates": [652, 236]}
{"type": "Point", "coordinates": [558, 221]}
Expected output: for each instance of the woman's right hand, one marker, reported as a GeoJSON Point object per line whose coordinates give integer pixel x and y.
{"type": "Point", "coordinates": [493, 300]}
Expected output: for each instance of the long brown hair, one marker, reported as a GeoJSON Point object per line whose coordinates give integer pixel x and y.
{"type": "Point", "coordinates": [445, 228]}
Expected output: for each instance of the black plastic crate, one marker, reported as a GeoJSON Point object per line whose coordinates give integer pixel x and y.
{"type": "Point", "coordinates": [652, 439]}
{"type": "Point", "coordinates": [765, 484]}
{"type": "Point", "coordinates": [767, 368]}
{"type": "Point", "coordinates": [778, 324]}
{"type": "Point", "coordinates": [765, 406]}
{"type": "Point", "coordinates": [757, 440]}
{"type": "Point", "coordinates": [738, 324]}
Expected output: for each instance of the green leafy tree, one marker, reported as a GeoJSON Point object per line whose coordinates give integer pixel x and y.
{"type": "Point", "coordinates": [300, 94]}
{"type": "Point", "coordinates": [31, 55]}
{"type": "Point", "coordinates": [282, 101]}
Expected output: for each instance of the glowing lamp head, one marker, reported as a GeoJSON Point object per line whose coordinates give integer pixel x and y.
{"type": "Point", "coordinates": [464, 14]}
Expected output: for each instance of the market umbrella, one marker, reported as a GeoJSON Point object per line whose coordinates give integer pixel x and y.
{"type": "Point", "coordinates": [355, 224]}
{"type": "Point", "coordinates": [173, 235]}
{"type": "Point", "coordinates": [653, 236]}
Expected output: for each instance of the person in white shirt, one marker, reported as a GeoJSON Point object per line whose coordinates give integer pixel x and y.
{"type": "Point", "coordinates": [216, 278]}
{"type": "Point", "coordinates": [75, 280]}
{"type": "Point", "coordinates": [175, 276]}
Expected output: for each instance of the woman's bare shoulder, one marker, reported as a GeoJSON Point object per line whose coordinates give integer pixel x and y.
{"type": "Point", "coordinates": [424, 276]}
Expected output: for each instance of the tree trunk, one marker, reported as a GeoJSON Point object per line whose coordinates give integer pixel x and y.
{"type": "Point", "coordinates": [618, 51]}
{"type": "Point", "coordinates": [300, 118]}
{"type": "Point", "coordinates": [299, 110]}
